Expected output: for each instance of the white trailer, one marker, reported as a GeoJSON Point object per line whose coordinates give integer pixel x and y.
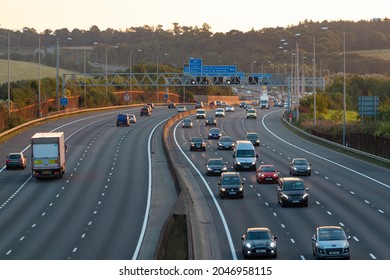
{"type": "Point", "coordinates": [264, 101]}
{"type": "Point", "coordinates": [48, 154]}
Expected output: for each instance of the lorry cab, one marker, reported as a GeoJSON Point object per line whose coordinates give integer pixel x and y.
{"type": "Point", "coordinates": [245, 156]}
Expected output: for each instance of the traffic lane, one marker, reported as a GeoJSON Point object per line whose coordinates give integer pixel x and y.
{"type": "Point", "coordinates": [238, 216]}
{"type": "Point", "coordinates": [121, 207]}
{"type": "Point", "coordinates": [76, 195]}
{"type": "Point", "coordinates": [309, 233]}
{"type": "Point", "coordinates": [59, 217]}
{"type": "Point", "coordinates": [370, 187]}
{"type": "Point", "coordinates": [335, 190]}
{"type": "Point", "coordinates": [297, 146]}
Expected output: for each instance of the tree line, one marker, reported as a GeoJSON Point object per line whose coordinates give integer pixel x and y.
{"type": "Point", "coordinates": [264, 50]}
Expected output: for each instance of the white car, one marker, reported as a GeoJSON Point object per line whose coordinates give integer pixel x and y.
{"type": "Point", "coordinates": [181, 109]}
{"type": "Point", "coordinates": [229, 108]}
{"type": "Point", "coordinates": [200, 114]}
{"type": "Point", "coordinates": [220, 112]}
{"type": "Point", "coordinates": [133, 118]}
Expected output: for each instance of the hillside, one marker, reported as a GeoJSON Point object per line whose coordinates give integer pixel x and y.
{"type": "Point", "coordinates": [25, 70]}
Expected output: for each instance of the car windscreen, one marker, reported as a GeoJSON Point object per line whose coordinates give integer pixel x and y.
{"type": "Point", "coordinates": [245, 153]}
{"type": "Point", "coordinates": [231, 181]}
{"type": "Point", "coordinates": [292, 186]}
{"type": "Point", "coordinates": [334, 234]}
{"type": "Point", "coordinates": [258, 235]}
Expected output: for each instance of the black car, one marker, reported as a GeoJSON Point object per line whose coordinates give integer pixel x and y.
{"type": "Point", "coordinates": [214, 133]}
{"type": "Point", "coordinates": [254, 138]}
{"type": "Point", "coordinates": [230, 184]}
{"type": "Point", "coordinates": [145, 111]}
{"type": "Point", "coordinates": [300, 166]}
{"type": "Point", "coordinates": [197, 143]}
{"type": "Point", "coordinates": [210, 120]}
{"type": "Point", "coordinates": [259, 242]}
{"type": "Point", "coordinates": [187, 123]}
{"type": "Point", "coordinates": [225, 143]}
{"type": "Point", "coordinates": [16, 160]}
{"type": "Point", "coordinates": [215, 166]}
{"type": "Point", "coordinates": [172, 105]}
{"type": "Point", "coordinates": [292, 191]}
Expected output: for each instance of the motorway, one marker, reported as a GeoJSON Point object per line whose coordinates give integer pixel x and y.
{"type": "Point", "coordinates": [100, 207]}
{"type": "Point", "coordinates": [343, 191]}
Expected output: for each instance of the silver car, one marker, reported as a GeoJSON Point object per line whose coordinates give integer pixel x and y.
{"type": "Point", "coordinates": [300, 166]}
{"type": "Point", "coordinates": [330, 242]}
{"type": "Point", "coordinates": [259, 242]}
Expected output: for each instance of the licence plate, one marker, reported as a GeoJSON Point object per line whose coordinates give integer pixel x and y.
{"type": "Point", "coordinates": [333, 252]}
{"type": "Point", "coordinates": [261, 251]}
{"type": "Point", "coordinates": [295, 201]}
{"type": "Point", "coordinates": [246, 166]}
{"type": "Point", "coordinates": [46, 172]}
{"type": "Point", "coordinates": [269, 179]}
{"type": "Point", "coordinates": [232, 192]}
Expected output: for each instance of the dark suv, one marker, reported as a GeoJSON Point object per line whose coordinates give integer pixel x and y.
{"type": "Point", "coordinates": [292, 191]}
{"type": "Point", "coordinates": [230, 184]}
{"type": "Point", "coordinates": [145, 111]}
{"type": "Point", "coordinates": [210, 120]}
{"type": "Point", "coordinates": [123, 119]}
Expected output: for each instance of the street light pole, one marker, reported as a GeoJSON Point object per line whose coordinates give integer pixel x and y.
{"type": "Point", "coordinates": [344, 88]}
{"type": "Point", "coordinates": [57, 75]}
{"type": "Point", "coordinates": [297, 74]}
{"type": "Point", "coordinates": [314, 80]}
{"type": "Point", "coordinates": [9, 73]}
{"type": "Point", "coordinates": [106, 73]}
{"type": "Point", "coordinates": [39, 77]}
{"type": "Point", "coordinates": [344, 93]}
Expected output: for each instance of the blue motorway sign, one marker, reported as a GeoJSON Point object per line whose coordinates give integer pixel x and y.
{"type": "Point", "coordinates": [218, 70]}
{"type": "Point", "coordinates": [64, 101]}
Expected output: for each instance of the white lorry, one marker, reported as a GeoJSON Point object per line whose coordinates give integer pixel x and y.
{"type": "Point", "coordinates": [48, 155]}
{"type": "Point", "coordinates": [264, 101]}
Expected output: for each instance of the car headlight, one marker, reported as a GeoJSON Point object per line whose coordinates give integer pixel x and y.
{"type": "Point", "coordinates": [209, 169]}
{"type": "Point", "coordinates": [254, 162]}
{"type": "Point", "coordinates": [295, 168]}
{"type": "Point", "coordinates": [285, 196]}
{"type": "Point", "coordinates": [224, 169]}
{"type": "Point", "coordinates": [308, 168]}
{"type": "Point", "coordinates": [223, 189]}
{"type": "Point", "coordinates": [272, 244]}
{"type": "Point", "coordinates": [248, 245]}
{"type": "Point", "coordinates": [305, 195]}
{"type": "Point", "coordinates": [241, 188]}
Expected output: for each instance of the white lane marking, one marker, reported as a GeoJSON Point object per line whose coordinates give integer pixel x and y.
{"type": "Point", "coordinates": [148, 201]}
{"type": "Point", "coordinates": [320, 157]}
{"type": "Point", "coordinates": [224, 222]}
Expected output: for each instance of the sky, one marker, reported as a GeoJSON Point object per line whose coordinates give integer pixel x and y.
{"type": "Point", "coordinates": [222, 16]}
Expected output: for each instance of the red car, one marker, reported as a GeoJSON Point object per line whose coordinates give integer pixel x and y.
{"type": "Point", "coordinates": [267, 173]}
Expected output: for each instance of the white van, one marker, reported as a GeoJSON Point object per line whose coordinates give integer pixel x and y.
{"type": "Point", "coordinates": [200, 114]}
{"type": "Point", "coordinates": [245, 156]}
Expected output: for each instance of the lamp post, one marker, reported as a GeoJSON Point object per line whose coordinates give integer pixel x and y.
{"type": "Point", "coordinates": [297, 73]}
{"type": "Point", "coordinates": [9, 74]}
{"type": "Point", "coordinates": [57, 75]}
{"type": "Point", "coordinates": [314, 80]}
{"type": "Point", "coordinates": [344, 88]}
{"type": "Point", "coordinates": [39, 77]}
{"type": "Point", "coordinates": [344, 93]}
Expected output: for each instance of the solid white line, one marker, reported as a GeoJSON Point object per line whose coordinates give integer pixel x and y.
{"type": "Point", "coordinates": [320, 157]}
{"type": "Point", "coordinates": [225, 225]}
{"type": "Point", "coordinates": [148, 201]}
